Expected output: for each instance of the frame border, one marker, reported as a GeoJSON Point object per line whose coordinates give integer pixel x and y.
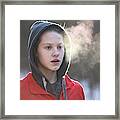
{"type": "Point", "coordinates": [55, 2]}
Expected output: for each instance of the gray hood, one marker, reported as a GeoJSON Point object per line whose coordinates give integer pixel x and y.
{"type": "Point", "coordinates": [36, 30]}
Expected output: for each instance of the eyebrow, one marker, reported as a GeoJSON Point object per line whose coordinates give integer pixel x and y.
{"type": "Point", "coordinates": [52, 44]}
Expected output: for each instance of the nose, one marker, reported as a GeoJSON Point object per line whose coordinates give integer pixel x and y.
{"type": "Point", "coordinates": [55, 52]}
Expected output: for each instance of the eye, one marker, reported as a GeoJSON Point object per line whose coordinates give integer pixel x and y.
{"type": "Point", "coordinates": [59, 47]}
{"type": "Point", "coordinates": [48, 47]}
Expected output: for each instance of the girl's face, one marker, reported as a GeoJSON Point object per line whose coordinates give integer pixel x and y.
{"type": "Point", "coordinates": [50, 51]}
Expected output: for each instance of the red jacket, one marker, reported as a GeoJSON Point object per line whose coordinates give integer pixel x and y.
{"type": "Point", "coordinates": [30, 90]}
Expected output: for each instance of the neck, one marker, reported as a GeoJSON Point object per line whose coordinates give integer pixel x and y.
{"type": "Point", "coordinates": [50, 75]}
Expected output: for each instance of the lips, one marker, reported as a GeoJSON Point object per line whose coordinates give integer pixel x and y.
{"type": "Point", "coordinates": [55, 61]}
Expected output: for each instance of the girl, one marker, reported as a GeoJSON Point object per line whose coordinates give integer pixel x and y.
{"type": "Point", "coordinates": [48, 79]}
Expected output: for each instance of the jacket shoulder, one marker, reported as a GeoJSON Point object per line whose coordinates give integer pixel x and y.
{"type": "Point", "coordinates": [24, 80]}
{"type": "Point", "coordinates": [26, 77]}
{"type": "Point", "coordinates": [72, 81]}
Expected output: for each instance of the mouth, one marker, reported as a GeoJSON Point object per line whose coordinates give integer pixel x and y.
{"type": "Point", "coordinates": [55, 61]}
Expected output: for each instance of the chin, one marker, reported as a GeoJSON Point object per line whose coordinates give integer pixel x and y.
{"type": "Point", "coordinates": [55, 69]}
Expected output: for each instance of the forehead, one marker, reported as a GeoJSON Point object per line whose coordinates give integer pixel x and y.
{"type": "Point", "coordinates": [51, 37]}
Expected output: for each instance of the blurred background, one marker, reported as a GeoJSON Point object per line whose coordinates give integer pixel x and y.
{"type": "Point", "coordinates": [85, 52]}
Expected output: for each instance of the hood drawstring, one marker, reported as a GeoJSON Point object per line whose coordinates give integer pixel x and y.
{"type": "Point", "coordinates": [64, 89]}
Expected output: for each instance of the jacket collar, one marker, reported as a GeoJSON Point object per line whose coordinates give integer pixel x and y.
{"type": "Point", "coordinates": [35, 88]}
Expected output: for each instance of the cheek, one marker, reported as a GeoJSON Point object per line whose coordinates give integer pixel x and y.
{"type": "Point", "coordinates": [43, 56]}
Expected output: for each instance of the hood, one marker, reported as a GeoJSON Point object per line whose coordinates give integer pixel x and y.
{"type": "Point", "coordinates": [35, 31]}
